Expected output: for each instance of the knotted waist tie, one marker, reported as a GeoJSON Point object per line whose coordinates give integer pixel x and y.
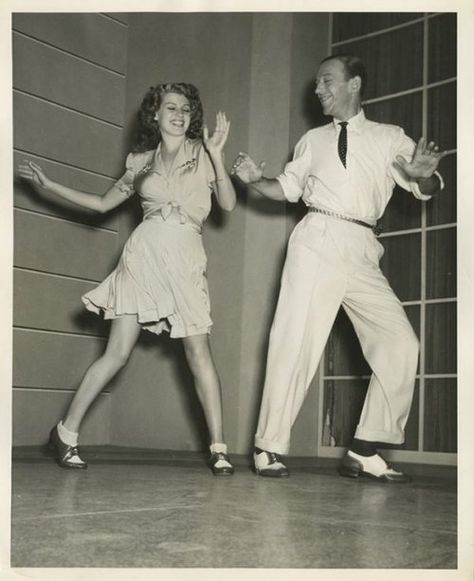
{"type": "Point", "coordinates": [376, 229]}
{"type": "Point", "coordinates": [175, 210]}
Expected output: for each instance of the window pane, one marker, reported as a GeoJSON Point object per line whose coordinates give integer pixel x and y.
{"type": "Point", "coordinates": [403, 212]}
{"type": "Point", "coordinates": [442, 115]}
{"type": "Point", "coordinates": [385, 58]}
{"type": "Point", "coordinates": [440, 433]}
{"type": "Point", "coordinates": [404, 111]}
{"type": "Point", "coordinates": [441, 340]}
{"type": "Point", "coordinates": [351, 24]}
{"type": "Point", "coordinates": [401, 264]}
{"type": "Point", "coordinates": [343, 353]}
{"type": "Point", "coordinates": [413, 314]}
{"type": "Point", "coordinates": [443, 50]}
{"type": "Point", "coordinates": [412, 426]}
{"type": "Point", "coordinates": [441, 209]}
{"type": "Point", "coordinates": [343, 402]}
{"type": "Point", "coordinates": [441, 263]}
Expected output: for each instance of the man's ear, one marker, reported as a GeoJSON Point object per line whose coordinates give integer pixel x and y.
{"type": "Point", "coordinates": [356, 84]}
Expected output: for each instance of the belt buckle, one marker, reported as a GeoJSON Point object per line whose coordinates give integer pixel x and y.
{"type": "Point", "coordinates": [377, 229]}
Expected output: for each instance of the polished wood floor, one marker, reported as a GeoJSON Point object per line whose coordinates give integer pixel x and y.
{"type": "Point", "coordinates": [136, 508]}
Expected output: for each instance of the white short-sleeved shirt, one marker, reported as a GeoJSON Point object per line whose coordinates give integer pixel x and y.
{"type": "Point", "coordinates": [364, 187]}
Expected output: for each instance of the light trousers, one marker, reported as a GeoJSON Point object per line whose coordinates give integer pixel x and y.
{"type": "Point", "coordinates": [329, 263]}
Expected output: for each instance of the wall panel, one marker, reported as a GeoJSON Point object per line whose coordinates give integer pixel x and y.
{"type": "Point", "coordinates": [69, 100]}
{"type": "Point", "coordinates": [60, 247]}
{"type": "Point", "coordinates": [122, 17]}
{"type": "Point", "coordinates": [29, 198]}
{"type": "Point", "coordinates": [35, 412]}
{"type": "Point", "coordinates": [92, 36]}
{"type": "Point", "coordinates": [102, 93]}
{"type": "Point", "coordinates": [43, 301]}
{"type": "Point", "coordinates": [63, 135]}
{"type": "Point", "coordinates": [52, 360]}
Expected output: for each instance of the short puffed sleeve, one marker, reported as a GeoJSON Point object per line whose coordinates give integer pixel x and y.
{"type": "Point", "coordinates": [134, 164]}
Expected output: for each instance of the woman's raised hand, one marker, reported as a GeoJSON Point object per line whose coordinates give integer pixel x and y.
{"type": "Point", "coordinates": [215, 143]}
{"type": "Point", "coordinates": [32, 172]}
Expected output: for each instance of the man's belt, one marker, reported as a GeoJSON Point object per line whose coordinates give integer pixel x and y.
{"type": "Point", "coordinates": [373, 227]}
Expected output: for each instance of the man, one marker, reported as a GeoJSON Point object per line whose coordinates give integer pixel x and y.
{"type": "Point", "coordinates": [345, 173]}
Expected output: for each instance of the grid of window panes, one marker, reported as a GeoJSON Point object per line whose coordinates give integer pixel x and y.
{"type": "Point", "coordinates": [411, 64]}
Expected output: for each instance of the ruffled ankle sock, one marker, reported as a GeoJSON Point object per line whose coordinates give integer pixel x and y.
{"type": "Point", "coordinates": [68, 437]}
{"type": "Point", "coordinates": [220, 449]}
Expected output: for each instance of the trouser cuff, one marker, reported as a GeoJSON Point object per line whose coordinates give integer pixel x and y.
{"type": "Point", "coordinates": [379, 436]}
{"type": "Point", "coordinates": [271, 446]}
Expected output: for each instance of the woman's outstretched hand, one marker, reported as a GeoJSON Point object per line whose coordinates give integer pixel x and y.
{"type": "Point", "coordinates": [215, 143]}
{"type": "Point", "coordinates": [32, 172]}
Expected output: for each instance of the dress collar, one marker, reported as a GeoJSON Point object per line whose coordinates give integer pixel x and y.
{"type": "Point", "coordinates": [184, 157]}
{"type": "Point", "coordinates": [355, 123]}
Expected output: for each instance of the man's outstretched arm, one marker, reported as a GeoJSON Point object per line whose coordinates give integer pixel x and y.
{"type": "Point", "coordinates": [251, 174]}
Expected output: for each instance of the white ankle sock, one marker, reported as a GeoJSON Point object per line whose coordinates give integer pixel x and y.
{"type": "Point", "coordinates": [218, 448]}
{"type": "Point", "coordinates": [69, 438]}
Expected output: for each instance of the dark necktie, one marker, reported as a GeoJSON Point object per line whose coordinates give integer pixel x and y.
{"type": "Point", "coordinates": [342, 142]}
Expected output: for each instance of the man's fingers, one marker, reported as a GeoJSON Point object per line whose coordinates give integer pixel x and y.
{"type": "Point", "coordinates": [420, 146]}
{"type": "Point", "coordinates": [402, 161]}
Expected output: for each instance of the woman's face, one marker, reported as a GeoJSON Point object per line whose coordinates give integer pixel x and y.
{"type": "Point", "coordinates": [174, 114]}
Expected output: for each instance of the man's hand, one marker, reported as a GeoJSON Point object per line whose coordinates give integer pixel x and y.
{"type": "Point", "coordinates": [246, 169]}
{"type": "Point", "coordinates": [425, 160]}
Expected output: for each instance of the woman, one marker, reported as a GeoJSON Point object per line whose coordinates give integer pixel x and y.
{"type": "Point", "coordinates": [160, 280]}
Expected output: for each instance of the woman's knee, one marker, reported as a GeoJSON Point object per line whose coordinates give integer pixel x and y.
{"type": "Point", "coordinates": [123, 336]}
{"type": "Point", "coordinates": [117, 356]}
{"type": "Point", "coordinates": [197, 351]}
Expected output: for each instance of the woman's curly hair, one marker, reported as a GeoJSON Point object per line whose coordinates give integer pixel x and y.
{"type": "Point", "coordinates": [148, 133]}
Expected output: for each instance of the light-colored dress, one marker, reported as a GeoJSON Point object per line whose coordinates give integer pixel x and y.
{"type": "Point", "coordinates": [161, 274]}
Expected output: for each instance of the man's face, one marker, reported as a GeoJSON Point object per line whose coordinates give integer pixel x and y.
{"type": "Point", "coordinates": [334, 91]}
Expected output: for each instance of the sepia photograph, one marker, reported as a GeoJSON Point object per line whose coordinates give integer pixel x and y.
{"type": "Point", "coordinates": [238, 305]}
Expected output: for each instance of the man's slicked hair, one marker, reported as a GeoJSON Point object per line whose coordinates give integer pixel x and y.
{"type": "Point", "coordinates": [353, 67]}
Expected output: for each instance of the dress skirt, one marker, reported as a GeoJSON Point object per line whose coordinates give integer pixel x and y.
{"type": "Point", "coordinates": [161, 278]}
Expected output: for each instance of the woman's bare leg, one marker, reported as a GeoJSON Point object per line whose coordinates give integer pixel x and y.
{"type": "Point", "coordinates": [123, 336]}
{"type": "Point", "coordinates": [200, 361]}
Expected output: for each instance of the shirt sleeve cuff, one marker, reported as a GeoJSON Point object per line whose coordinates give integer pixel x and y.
{"type": "Point", "coordinates": [441, 181]}
{"type": "Point", "coordinates": [415, 188]}
{"type": "Point", "coordinates": [292, 193]}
